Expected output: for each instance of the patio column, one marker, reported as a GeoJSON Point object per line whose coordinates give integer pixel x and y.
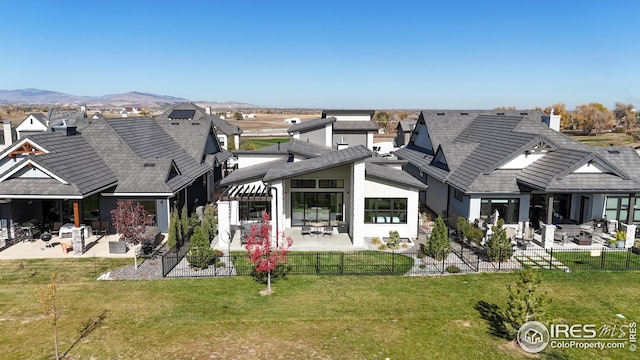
{"type": "Point", "coordinates": [631, 235]}
{"type": "Point", "coordinates": [631, 208]}
{"type": "Point", "coordinates": [549, 220]}
{"type": "Point", "coordinates": [76, 213]}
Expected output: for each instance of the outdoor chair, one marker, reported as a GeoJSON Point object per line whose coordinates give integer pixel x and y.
{"type": "Point", "coordinates": [328, 230]}
{"type": "Point", "coordinates": [56, 228]}
{"type": "Point", "coordinates": [306, 230]}
{"type": "Point", "coordinates": [104, 227]}
{"type": "Point", "coordinates": [95, 227]}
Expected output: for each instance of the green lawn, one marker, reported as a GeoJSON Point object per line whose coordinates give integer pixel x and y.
{"type": "Point", "coordinates": [308, 317]}
{"type": "Point", "coordinates": [262, 142]}
{"type": "Point", "coordinates": [606, 259]}
{"type": "Point", "coordinates": [337, 263]}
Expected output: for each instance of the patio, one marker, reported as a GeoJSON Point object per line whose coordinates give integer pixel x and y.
{"type": "Point", "coordinates": [312, 242]}
{"type": "Point", "coordinates": [95, 245]}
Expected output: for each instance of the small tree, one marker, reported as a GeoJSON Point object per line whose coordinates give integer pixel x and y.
{"type": "Point", "coordinates": [263, 253]}
{"type": "Point", "coordinates": [47, 299]}
{"type": "Point", "coordinates": [209, 223]}
{"type": "Point", "coordinates": [439, 246]}
{"type": "Point", "coordinates": [200, 254]}
{"type": "Point", "coordinates": [232, 144]}
{"type": "Point", "coordinates": [523, 304]}
{"type": "Point", "coordinates": [174, 238]}
{"type": "Point", "coordinates": [184, 222]}
{"type": "Point", "coordinates": [499, 247]}
{"type": "Point", "coordinates": [462, 225]}
{"type": "Point", "coordinates": [131, 221]}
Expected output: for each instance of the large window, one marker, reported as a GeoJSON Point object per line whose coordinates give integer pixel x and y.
{"type": "Point", "coordinates": [309, 207]}
{"type": "Point", "coordinates": [508, 209]}
{"type": "Point", "coordinates": [617, 208]}
{"type": "Point", "coordinates": [385, 211]}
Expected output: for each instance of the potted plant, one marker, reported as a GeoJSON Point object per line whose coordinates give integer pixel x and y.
{"type": "Point", "coordinates": [612, 243]}
{"type": "Point", "coordinates": [621, 237]}
{"type": "Point", "coordinates": [636, 247]}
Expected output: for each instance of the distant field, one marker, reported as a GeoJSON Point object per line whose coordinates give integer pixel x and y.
{"type": "Point", "coordinates": [263, 142]}
{"type": "Point", "coordinates": [607, 139]}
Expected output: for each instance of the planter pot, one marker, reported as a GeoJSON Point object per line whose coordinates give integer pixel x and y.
{"type": "Point", "coordinates": [635, 250]}
{"type": "Point", "coordinates": [621, 244]}
{"type": "Point", "coordinates": [612, 245]}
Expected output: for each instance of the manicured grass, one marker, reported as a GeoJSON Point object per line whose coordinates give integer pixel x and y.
{"type": "Point", "coordinates": [307, 317]}
{"type": "Point", "coordinates": [336, 263]}
{"type": "Point", "coordinates": [262, 142]}
{"type": "Point", "coordinates": [605, 259]}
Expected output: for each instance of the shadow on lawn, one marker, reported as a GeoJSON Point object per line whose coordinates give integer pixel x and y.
{"type": "Point", "coordinates": [87, 328]}
{"type": "Point", "coordinates": [492, 314]}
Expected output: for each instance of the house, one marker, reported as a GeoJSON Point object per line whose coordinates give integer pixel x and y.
{"type": "Point", "coordinates": [338, 129]}
{"type": "Point", "coordinates": [310, 179]}
{"type": "Point", "coordinates": [77, 170]}
{"type": "Point", "coordinates": [34, 123]}
{"type": "Point", "coordinates": [227, 134]}
{"type": "Point", "coordinates": [403, 132]}
{"type": "Point", "coordinates": [293, 120]}
{"type": "Point", "coordinates": [518, 163]}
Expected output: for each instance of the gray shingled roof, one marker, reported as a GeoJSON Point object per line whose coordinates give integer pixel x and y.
{"type": "Point", "coordinates": [392, 175]}
{"type": "Point", "coordinates": [40, 117]}
{"type": "Point", "coordinates": [85, 174]}
{"type": "Point", "coordinates": [339, 126]}
{"type": "Point", "coordinates": [251, 173]}
{"type": "Point", "coordinates": [200, 116]}
{"type": "Point", "coordinates": [405, 125]}
{"type": "Point", "coordinates": [56, 117]}
{"type": "Point", "coordinates": [476, 142]}
{"type": "Point", "coordinates": [329, 160]}
{"type": "Point", "coordinates": [310, 125]}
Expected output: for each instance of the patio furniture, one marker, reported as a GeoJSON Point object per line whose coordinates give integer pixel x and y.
{"type": "Point", "coordinates": [66, 247]}
{"type": "Point", "coordinates": [117, 247]}
{"type": "Point", "coordinates": [56, 228]}
{"type": "Point", "coordinates": [95, 227]}
{"type": "Point", "coordinates": [328, 230]}
{"type": "Point", "coordinates": [306, 230]}
{"type": "Point", "coordinates": [104, 227]}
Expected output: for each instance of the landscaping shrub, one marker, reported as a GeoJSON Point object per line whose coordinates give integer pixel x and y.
{"type": "Point", "coordinates": [438, 246]}
{"type": "Point", "coordinates": [200, 254]}
{"type": "Point", "coordinates": [523, 304]}
{"type": "Point", "coordinates": [376, 241]}
{"type": "Point", "coordinates": [499, 247]}
{"type": "Point", "coordinates": [453, 269]}
{"type": "Point", "coordinates": [394, 240]}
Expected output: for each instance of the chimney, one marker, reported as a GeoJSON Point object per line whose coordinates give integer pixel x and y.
{"type": "Point", "coordinates": [83, 109]}
{"type": "Point", "coordinates": [552, 121]}
{"type": "Point", "coordinates": [207, 109]}
{"type": "Point", "coordinates": [6, 131]}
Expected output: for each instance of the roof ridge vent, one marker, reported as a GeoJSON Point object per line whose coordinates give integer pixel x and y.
{"type": "Point", "coordinates": [464, 113]}
{"type": "Point", "coordinates": [175, 123]}
{"type": "Point", "coordinates": [440, 113]}
{"type": "Point", "coordinates": [149, 164]}
{"type": "Point", "coordinates": [500, 113]}
{"type": "Point", "coordinates": [524, 113]}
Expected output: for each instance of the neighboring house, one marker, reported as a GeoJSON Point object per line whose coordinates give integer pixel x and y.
{"type": "Point", "coordinates": [34, 123]}
{"type": "Point", "coordinates": [304, 180]}
{"type": "Point", "coordinates": [403, 132]}
{"type": "Point", "coordinates": [518, 163]}
{"type": "Point", "coordinates": [191, 112]}
{"type": "Point", "coordinates": [291, 121]}
{"type": "Point", "coordinates": [89, 164]}
{"type": "Point", "coordinates": [338, 129]}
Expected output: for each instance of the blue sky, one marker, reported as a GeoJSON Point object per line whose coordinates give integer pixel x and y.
{"type": "Point", "coordinates": [329, 54]}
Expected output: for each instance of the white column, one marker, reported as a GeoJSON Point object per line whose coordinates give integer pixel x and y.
{"type": "Point", "coordinates": [357, 205]}
{"type": "Point", "coordinates": [549, 231]}
{"type": "Point", "coordinates": [224, 226]}
{"type": "Point", "coordinates": [631, 235]}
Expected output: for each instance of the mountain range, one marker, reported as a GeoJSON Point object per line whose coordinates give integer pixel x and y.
{"type": "Point", "coordinates": [132, 98]}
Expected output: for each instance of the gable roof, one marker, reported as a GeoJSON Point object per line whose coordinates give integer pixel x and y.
{"type": "Point", "coordinates": [310, 125]}
{"type": "Point", "coordinates": [80, 175]}
{"type": "Point", "coordinates": [405, 125]}
{"type": "Point", "coordinates": [476, 143]}
{"type": "Point", "coordinates": [182, 111]}
{"type": "Point", "coordinates": [328, 160]}
{"type": "Point", "coordinates": [393, 175]}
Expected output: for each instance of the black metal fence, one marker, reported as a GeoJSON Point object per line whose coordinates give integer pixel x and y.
{"type": "Point", "coordinates": [171, 259]}
{"type": "Point", "coordinates": [463, 258]}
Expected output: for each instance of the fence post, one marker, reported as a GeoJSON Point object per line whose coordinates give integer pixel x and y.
{"type": "Point", "coordinates": [393, 262]}
{"type": "Point", "coordinates": [551, 259]}
{"type": "Point", "coordinates": [602, 256]}
{"type": "Point", "coordinates": [317, 263]}
{"type": "Point", "coordinates": [443, 259]}
{"type": "Point", "coordinates": [499, 259]}
{"type": "Point", "coordinates": [342, 263]}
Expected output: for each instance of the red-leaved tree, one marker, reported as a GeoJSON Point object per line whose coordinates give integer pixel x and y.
{"type": "Point", "coordinates": [263, 253]}
{"type": "Point", "coordinates": [131, 221]}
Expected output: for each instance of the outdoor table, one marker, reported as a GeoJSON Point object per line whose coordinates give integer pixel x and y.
{"type": "Point", "coordinates": [317, 227]}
